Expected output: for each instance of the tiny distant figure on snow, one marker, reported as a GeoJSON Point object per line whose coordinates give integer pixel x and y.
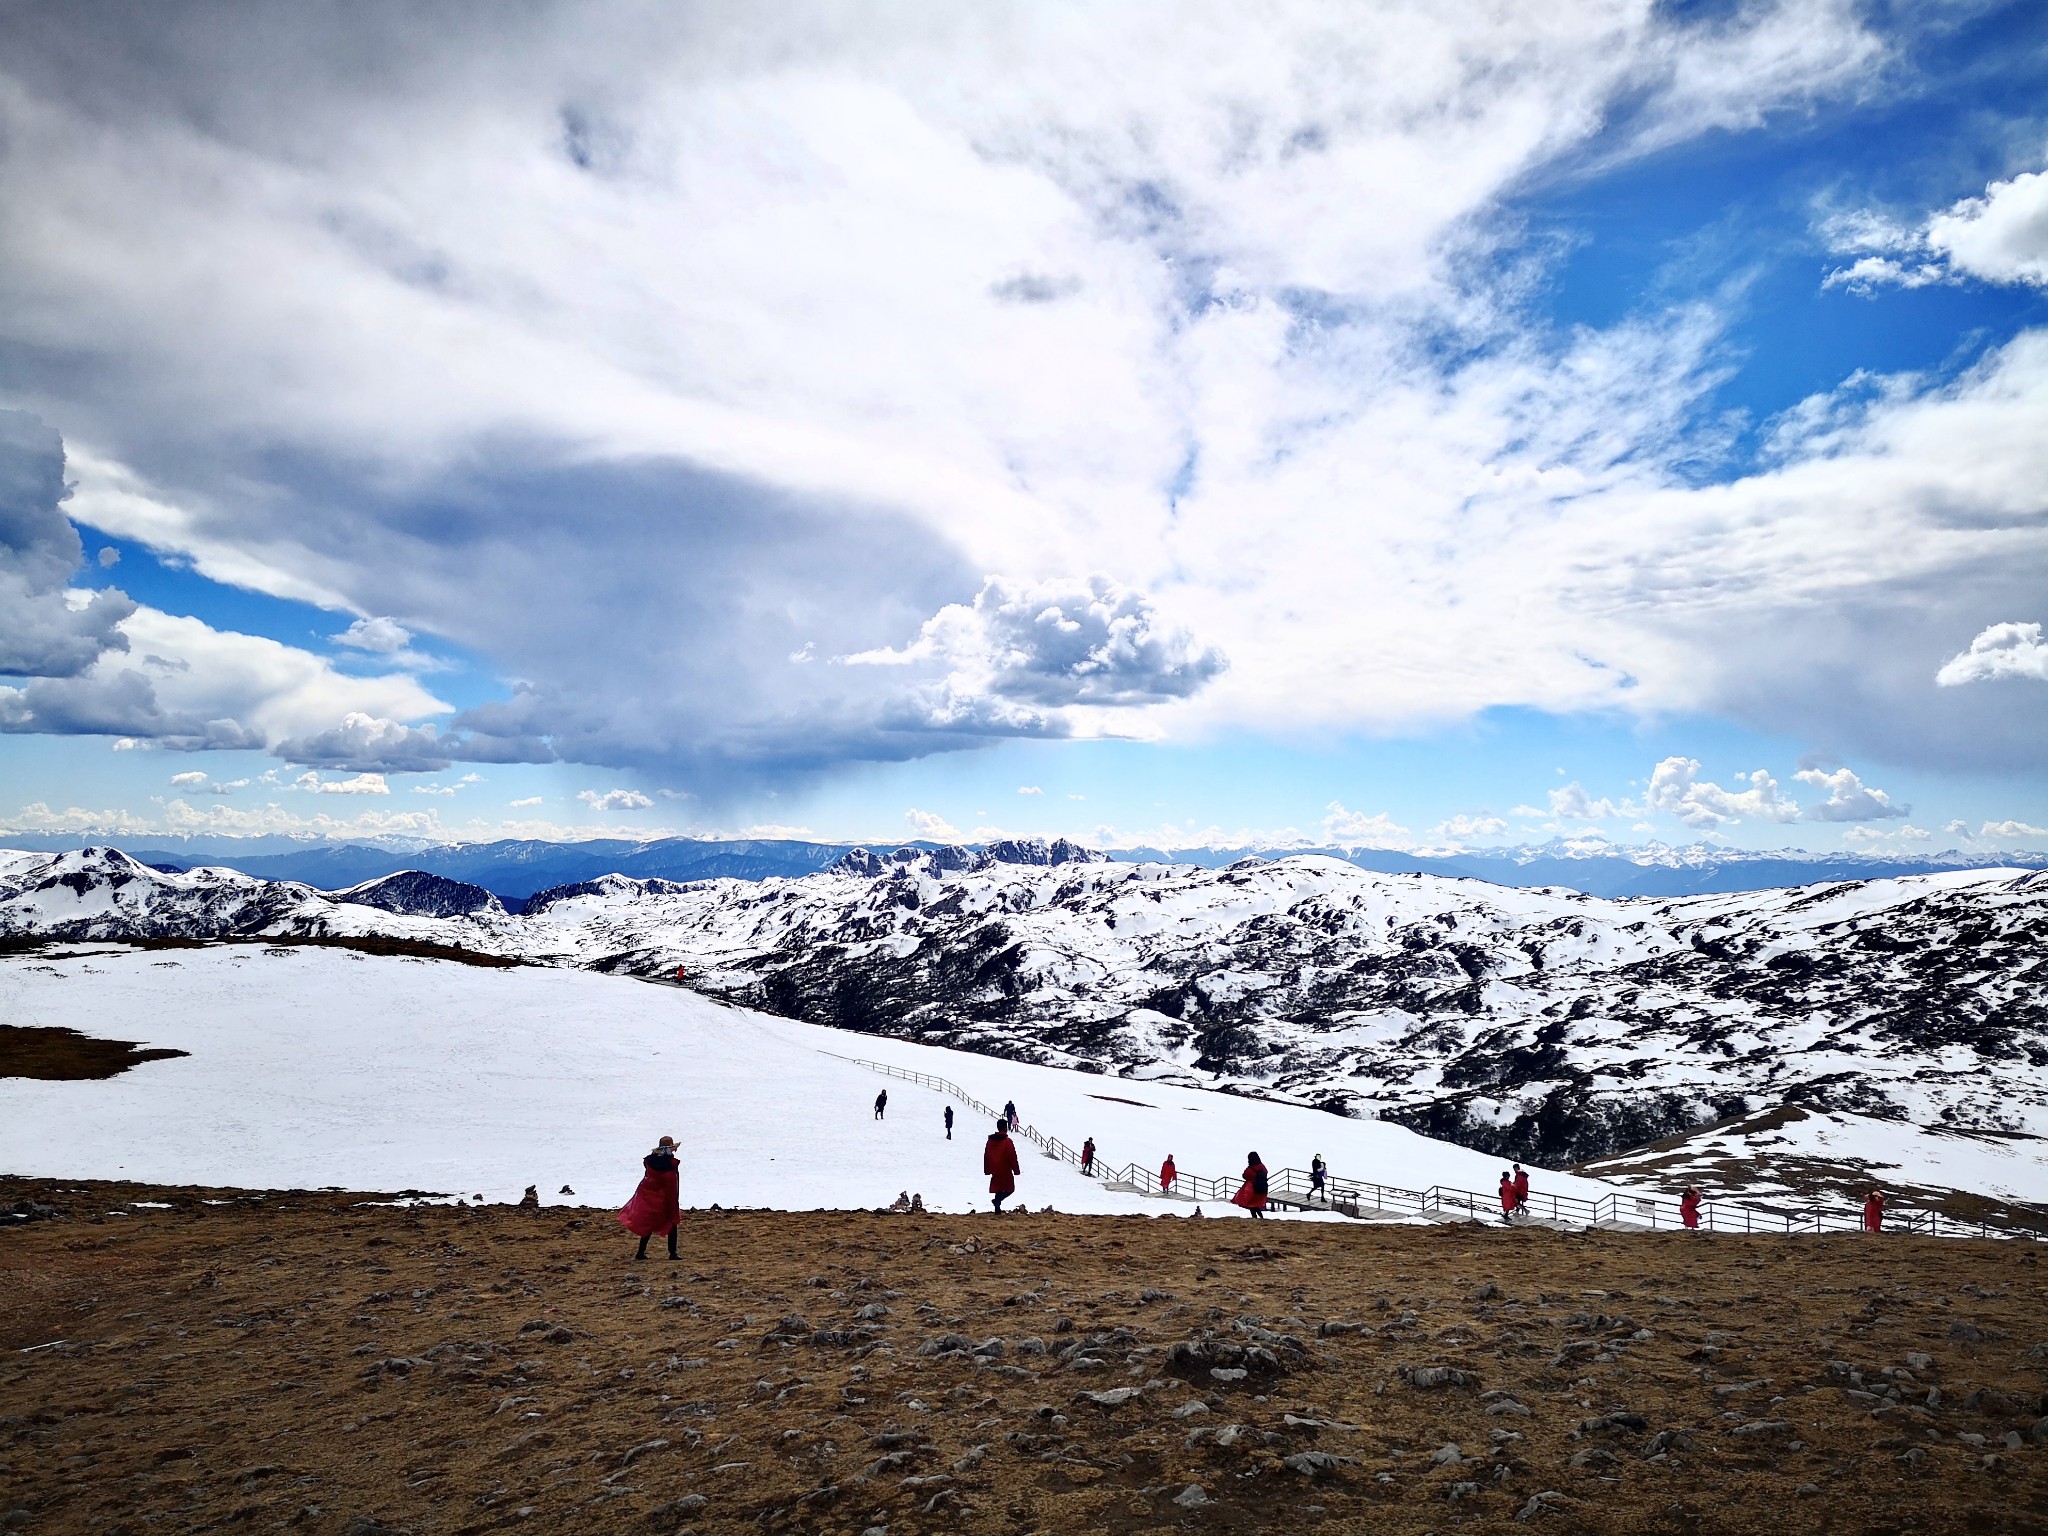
{"type": "Point", "coordinates": [654, 1206]}
{"type": "Point", "coordinates": [1318, 1173]}
{"type": "Point", "coordinates": [881, 1103]}
{"type": "Point", "coordinates": [949, 1122]}
{"type": "Point", "coordinates": [1167, 1174]}
{"type": "Point", "coordinates": [1010, 1114]}
{"type": "Point", "coordinates": [901, 1202]}
{"type": "Point", "coordinates": [1521, 1188]}
{"type": "Point", "coordinates": [1252, 1193]}
{"type": "Point", "coordinates": [679, 975]}
{"type": "Point", "coordinates": [999, 1162]}
{"type": "Point", "coordinates": [917, 1204]}
{"type": "Point", "coordinates": [1689, 1208]}
{"type": "Point", "coordinates": [1088, 1156]}
{"type": "Point", "coordinates": [530, 1201]}
{"type": "Point", "coordinates": [1873, 1211]}
{"type": "Point", "coordinates": [1507, 1195]}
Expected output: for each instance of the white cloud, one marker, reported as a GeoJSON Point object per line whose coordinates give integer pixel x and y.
{"type": "Point", "coordinates": [2007, 831]}
{"type": "Point", "coordinates": [2001, 650]}
{"type": "Point", "coordinates": [382, 635]}
{"type": "Point", "coordinates": [1461, 827]}
{"type": "Point", "coordinates": [1572, 803]}
{"type": "Point", "coordinates": [1849, 798]}
{"type": "Point", "coordinates": [1355, 828]}
{"type": "Point", "coordinates": [109, 557]}
{"type": "Point", "coordinates": [437, 789]}
{"type": "Point", "coordinates": [614, 800]}
{"type": "Point", "coordinates": [1676, 789]}
{"type": "Point", "coordinates": [529, 800]}
{"type": "Point", "coordinates": [360, 784]}
{"type": "Point", "coordinates": [932, 827]}
{"type": "Point", "coordinates": [2000, 237]}
{"type": "Point", "coordinates": [1959, 829]}
{"type": "Point", "coordinates": [193, 778]}
{"type": "Point", "coordinates": [367, 743]}
{"type": "Point", "coordinates": [1029, 789]}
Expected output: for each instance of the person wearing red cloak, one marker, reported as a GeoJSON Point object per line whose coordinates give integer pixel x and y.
{"type": "Point", "coordinates": [1521, 1188]}
{"type": "Point", "coordinates": [1873, 1211]}
{"type": "Point", "coordinates": [654, 1206]}
{"type": "Point", "coordinates": [1689, 1209]}
{"type": "Point", "coordinates": [1252, 1193]}
{"type": "Point", "coordinates": [1088, 1156]}
{"type": "Point", "coordinates": [1167, 1174]}
{"type": "Point", "coordinates": [1507, 1196]}
{"type": "Point", "coordinates": [999, 1162]}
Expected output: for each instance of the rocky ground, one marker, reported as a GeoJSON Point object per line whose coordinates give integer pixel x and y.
{"type": "Point", "coordinates": [210, 1360]}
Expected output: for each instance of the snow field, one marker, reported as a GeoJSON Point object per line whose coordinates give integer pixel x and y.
{"type": "Point", "coordinates": [317, 1067]}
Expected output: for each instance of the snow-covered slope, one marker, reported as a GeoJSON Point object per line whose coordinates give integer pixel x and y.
{"type": "Point", "coordinates": [1533, 1023]}
{"type": "Point", "coordinates": [317, 1067]}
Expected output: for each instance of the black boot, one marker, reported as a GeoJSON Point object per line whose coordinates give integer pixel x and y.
{"type": "Point", "coordinates": [643, 1249]}
{"type": "Point", "coordinates": [672, 1254]}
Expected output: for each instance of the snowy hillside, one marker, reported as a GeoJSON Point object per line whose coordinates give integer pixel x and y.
{"type": "Point", "coordinates": [1532, 1023]}
{"type": "Point", "coordinates": [319, 1067]}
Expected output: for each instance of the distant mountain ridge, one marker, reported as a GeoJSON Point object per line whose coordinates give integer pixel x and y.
{"type": "Point", "coordinates": [516, 869]}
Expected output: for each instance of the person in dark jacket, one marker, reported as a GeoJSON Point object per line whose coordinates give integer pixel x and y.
{"type": "Point", "coordinates": [999, 1162]}
{"type": "Point", "coordinates": [881, 1103]}
{"type": "Point", "coordinates": [1252, 1193]}
{"type": "Point", "coordinates": [1318, 1175]}
{"type": "Point", "coordinates": [949, 1122]}
{"type": "Point", "coordinates": [1010, 1114]}
{"type": "Point", "coordinates": [654, 1207]}
{"type": "Point", "coordinates": [1088, 1156]}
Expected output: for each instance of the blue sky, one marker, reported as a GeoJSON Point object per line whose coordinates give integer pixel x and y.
{"type": "Point", "coordinates": [1385, 428]}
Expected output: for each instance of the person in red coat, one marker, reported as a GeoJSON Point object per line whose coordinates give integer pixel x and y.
{"type": "Point", "coordinates": [1689, 1208]}
{"type": "Point", "coordinates": [1252, 1193]}
{"type": "Point", "coordinates": [1873, 1211]}
{"type": "Point", "coordinates": [1088, 1155]}
{"type": "Point", "coordinates": [1507, 1195]}
{"type": "Point", "coordinates": [1167, 1174]}
{"type": "Point", "coordinates": [999, 1162]}
{"type": "Point", "coordinates": [653, 1207]}
{"type": "Point", "coordinates": [1521, 1188]}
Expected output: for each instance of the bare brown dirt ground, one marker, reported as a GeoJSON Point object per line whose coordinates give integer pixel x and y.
{"type": "Point", "coordinates": [302, 1361]}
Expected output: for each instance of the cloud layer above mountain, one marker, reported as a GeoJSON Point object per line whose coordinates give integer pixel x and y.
{"type": "Point", "coordinates": [759, 392]}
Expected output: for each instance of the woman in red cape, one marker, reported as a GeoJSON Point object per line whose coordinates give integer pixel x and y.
{"type": "Point", "coordinates": [1167, 1174]}
{"type": "Point", "coordinates": [654, 1206]}
{"type": "Point", "coordinates": [1689, 1209]}
{"type": "Point", "coordinates": [1252, 1193]}
{"type": "Point", "coordinates": [1873, 1211]}
{"type": "Point", "coordinates": [999, 1162]}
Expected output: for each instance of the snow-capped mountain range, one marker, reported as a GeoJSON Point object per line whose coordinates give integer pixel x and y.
{"type": "Point", "coordinates": [1537, 1023]}
{"type": "Point", "coordinates": [514, 869]}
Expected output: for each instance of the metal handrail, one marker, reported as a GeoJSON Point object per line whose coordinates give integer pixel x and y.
{"type": "Point", "coordinates": [1355, 1197]}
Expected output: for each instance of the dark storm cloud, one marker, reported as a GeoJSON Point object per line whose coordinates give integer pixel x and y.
{"type": "Point", "coordinates": [41, 633]}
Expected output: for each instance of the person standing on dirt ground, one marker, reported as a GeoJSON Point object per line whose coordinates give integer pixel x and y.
{"type": "Point", "coordinates": [1252, 1193]}
{"type": "Point", "coordinates": [1873, 1211]}
{"type": "Point", "coordinates": [949, 1122]}
{"type": "Point", "coordinates": [999, 1162]}
{"type": "Point", "coordinates": [1521, 1188]}
{"type": "Point", "coordinates": [1167, 1174]}
{"type": "Point", "coordinates": [1689, 1208]}
{"type": "Point", "coordinates": [1318, 1172]}
{"type": "Point", "coordinates": [881, 1103]}
{"type": "Point", "coordinates": [1507, 1195]}
{"type": "Point", "coordinates": [1088, 1157]}
{"type": "Point", "coordinates": [654, 1207]}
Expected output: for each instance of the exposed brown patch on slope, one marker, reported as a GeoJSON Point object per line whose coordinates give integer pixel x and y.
{"type": "Point", "coordinates": [65, 1055]}
{"type": "Point", "coordinates": [297, 1359]}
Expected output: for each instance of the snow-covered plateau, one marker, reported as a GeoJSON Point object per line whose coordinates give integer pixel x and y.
{"type": "Point", "coordinates": [314, 1067]}
{"type": "Point", "coordinates": [1543, 1024]}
